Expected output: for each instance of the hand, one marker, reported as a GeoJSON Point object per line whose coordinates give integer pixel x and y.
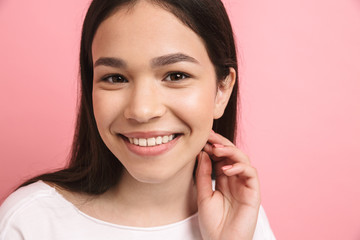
{"type": "Point", "coordinates": [229, 212]}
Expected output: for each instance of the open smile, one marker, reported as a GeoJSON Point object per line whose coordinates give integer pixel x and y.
{"type": "Point", "coordinates": [150, 145]}
{"type": "Point", "coordinates": [148, 142]}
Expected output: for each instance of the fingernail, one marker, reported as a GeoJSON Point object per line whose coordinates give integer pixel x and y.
{"type": "Point", "coordinates": [218, 145]}
{"type": "Point", "coordinates": [227, 167]}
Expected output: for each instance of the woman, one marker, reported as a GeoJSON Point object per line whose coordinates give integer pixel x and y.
{"type": "Point", "coordinates": [157, 76]}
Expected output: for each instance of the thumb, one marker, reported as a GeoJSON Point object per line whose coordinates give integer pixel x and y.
{"type": "Point", "coordinates": [203, 177]}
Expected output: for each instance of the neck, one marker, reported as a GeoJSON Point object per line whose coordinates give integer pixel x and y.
{"type": "Point", "coordinates": [153, 204]}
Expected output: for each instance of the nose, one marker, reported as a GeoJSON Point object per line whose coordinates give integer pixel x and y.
{"type": "Point", "coordinates": [145, 103]}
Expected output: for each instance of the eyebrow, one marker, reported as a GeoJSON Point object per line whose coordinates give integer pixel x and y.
{"type": "Point", "coordinates": [155, 62]}
{"type": "Point", "coordinates": [171, 59]}
{"type": "Point", "coordinates": [110, 62]}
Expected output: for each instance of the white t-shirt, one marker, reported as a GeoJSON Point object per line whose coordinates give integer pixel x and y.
{"type": "Point", "coordinates": [39, 212]}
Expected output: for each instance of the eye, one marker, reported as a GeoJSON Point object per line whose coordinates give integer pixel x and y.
{"type": "Point", "coordinates": [114, 78]}
{"type": "Point", "coordinates": [176, 76]}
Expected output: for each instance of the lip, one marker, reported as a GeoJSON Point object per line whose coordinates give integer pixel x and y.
{"type": "Point", "coordinates": [149, 150]}
{"type": "Point", "coordinates": [147, 134]}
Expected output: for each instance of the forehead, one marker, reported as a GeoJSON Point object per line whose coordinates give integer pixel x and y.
{"type": "Point", "coordinates": [146, 30]}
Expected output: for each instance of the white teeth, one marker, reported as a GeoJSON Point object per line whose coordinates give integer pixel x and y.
{"type": "Point", "coordinates": [143, 142]}
{"type": "Point", "coordinates": [151, 142]}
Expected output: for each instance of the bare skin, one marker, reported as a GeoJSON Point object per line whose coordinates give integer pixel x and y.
{"type": "Point", "coordinates": [140, 96]}
{"type": "Point", "coordinates": [229, 212]}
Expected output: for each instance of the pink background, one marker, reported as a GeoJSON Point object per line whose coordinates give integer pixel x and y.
{"type": "Point", "coordinates": [300, 93]}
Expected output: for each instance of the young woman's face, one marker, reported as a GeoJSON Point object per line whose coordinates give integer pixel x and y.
{"type": "Point", "coordinates": [153, 81]}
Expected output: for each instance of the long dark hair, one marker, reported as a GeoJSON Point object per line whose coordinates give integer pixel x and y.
{"type": "Point", "coordinates": [92, 168]}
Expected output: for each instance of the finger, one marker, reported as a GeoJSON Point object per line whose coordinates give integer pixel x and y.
{"type": "Point", "coordinates": [203, 177]}
{"type": "Point", "coordinates": [208, 148]}
{"type": "Point", "coordinates": [244, 171]}
{"type": "Point", "coordinates": [215, 138]}
{"type": "Point", "coordinates": [232, 153]}
{"type": "Point", "coordinates": [217, 167]}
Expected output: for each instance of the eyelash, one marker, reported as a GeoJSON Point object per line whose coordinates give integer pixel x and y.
{"type": "Point", "coordinates": [121, 79]}
{"type": "Point", "coordinates": [106, 78]}
{"type": "Point", "coordinates": [182, 76]}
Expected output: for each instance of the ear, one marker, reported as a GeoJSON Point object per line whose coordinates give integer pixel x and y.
{"type": "Point", "coordinates": [223, 93]}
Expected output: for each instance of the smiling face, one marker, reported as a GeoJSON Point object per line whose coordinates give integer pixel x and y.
{"type": "Point", "coordinates": [154, 92]}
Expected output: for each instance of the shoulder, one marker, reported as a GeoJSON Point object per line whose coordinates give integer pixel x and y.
{"type": "Point", "coordinates": [24, 204]}
{"type": "Point", "coordinates": [24, 197]}
{"type": "Point", "coordinates": [263, 230]}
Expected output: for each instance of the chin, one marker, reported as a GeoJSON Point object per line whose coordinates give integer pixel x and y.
{"type": "Point", "coordinates": [151, 178]}
{"type": "Point", "coordinates": [162, 175]}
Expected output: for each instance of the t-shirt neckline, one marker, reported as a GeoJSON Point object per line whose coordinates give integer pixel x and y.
{"type": "Point", "coordinates": [125, 227]}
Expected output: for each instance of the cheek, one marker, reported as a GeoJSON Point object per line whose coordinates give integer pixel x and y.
{"type": "Point", "coordinates": [195, 106]}
{"type": "Point", "coordinates": [200, 105]}
{"type": "Point", "coordinates": [106, 107]}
